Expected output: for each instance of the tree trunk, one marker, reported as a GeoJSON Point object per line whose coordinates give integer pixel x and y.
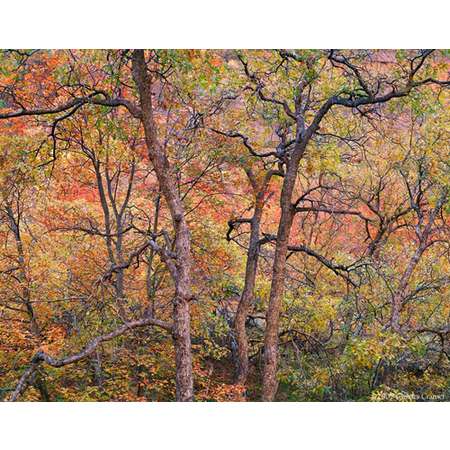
{"type": "Point", "coordinates": [270, 383]}
{"type": "Point", "coordinates": [182, 279]}
{"type": "Point", "coordinates": [247, 297]}
{"type": "Point", "coordinates": [260, 190]}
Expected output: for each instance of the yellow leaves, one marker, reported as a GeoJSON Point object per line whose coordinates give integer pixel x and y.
{"type": "Point", "coordinates": [409, 387]}
{"type": "Point", "coordinates": [387, 394]}
{"type": "Point", "coordinates": [322, 376]}
{"type": "Point", "coordinates": [323, 158]}
{"type": "Point", "coordinates": [326, 313]}
{"type": "Point", "coordinates": [211, 349]}
{"type": "Point", "coordinates": [311, 313]}
{"type": "Point", "coordinates": [363, 354]}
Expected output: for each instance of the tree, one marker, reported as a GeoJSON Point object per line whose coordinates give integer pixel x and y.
{"type": "Point", "coordinates": [305, 113]}
{"type": "Point", "coordinates": [180, 268]}
{"type": "Point", "coordinates": [156, 205]}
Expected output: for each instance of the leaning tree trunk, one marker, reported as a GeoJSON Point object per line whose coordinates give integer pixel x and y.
{"type": "Point", "coordinates": [182, 278]}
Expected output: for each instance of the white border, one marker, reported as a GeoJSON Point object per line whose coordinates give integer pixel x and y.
{"type": "Point", "coordinates": [225, 24]}
{"type": "Point", "coordinates": [224, 426]}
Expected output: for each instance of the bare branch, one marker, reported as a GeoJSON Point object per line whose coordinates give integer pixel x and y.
{"type": "Point", "coordinates": [42, 357]}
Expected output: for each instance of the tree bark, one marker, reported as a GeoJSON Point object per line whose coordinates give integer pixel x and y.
{"type": "Point", "coordinates": [270, 383]}
{"type": "Point", "coordinates": [183, 262]}
{"type": "Point", "coordinates": [247, 294]}
{"type": "Point", "coordinates": [250, 275]}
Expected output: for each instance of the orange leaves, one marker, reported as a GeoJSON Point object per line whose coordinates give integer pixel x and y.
{"type": "Point", "coordinates": [54, 339]}
{"type": "Point", "coordinates": [71, 238]}
{"type": "Point", "coordinates": [220, 392]}
{"type": "Point", "coordinates": [74, 191]}
{"type": "Point", "coordinates": [212, 387]}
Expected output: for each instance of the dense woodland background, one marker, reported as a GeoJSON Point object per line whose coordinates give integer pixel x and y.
{"type": "Point", "coordinates": [224, 225]}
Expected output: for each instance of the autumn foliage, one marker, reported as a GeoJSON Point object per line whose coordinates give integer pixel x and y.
{"type": "Point", "coordinates": [224, 225]}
